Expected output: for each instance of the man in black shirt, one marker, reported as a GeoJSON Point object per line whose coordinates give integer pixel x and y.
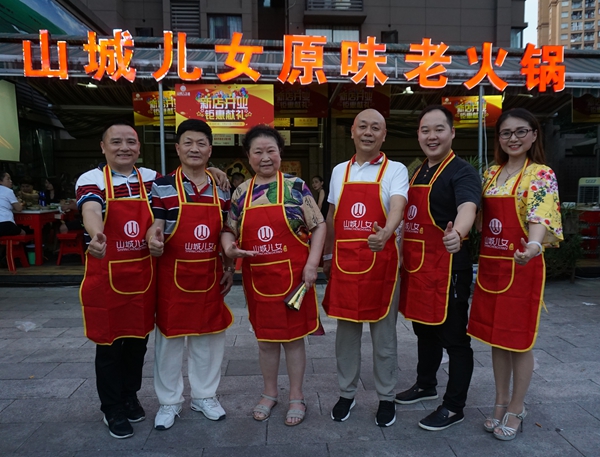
{"type": "Point", "coordinates": [437, 270]}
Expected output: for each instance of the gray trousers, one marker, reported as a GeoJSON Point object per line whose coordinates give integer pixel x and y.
{"type": "Point", "coordinates": [385, 353]}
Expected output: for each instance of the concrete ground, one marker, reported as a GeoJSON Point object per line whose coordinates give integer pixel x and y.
{"type": "Point", "coordinates": [49, 406]}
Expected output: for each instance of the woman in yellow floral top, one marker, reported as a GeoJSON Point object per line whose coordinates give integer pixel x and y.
{"type": "Point", "coordinates": [520, 215]}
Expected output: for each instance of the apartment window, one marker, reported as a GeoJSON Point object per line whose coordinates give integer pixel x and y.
{"type": "Point", "coordinates": [576, 4]}
{"type": "Point", "coordinates": [588, 37]}
{"type": "Point", "coordinates": [575, 46]}
{"type": "Point", "coordinates": [576, 15]}
{"type": "Point", "coordinates": [564, 36]}
{"type": "Point", "coordinates": [564, 25]}
{"type": "Point", "coordinates": [564, 3]}
{"type": "Point", "coordinates": [516, 38]}
{"type": "Point", "coordinates": [336, 34]}
{"type": "Point", "coordinates": [588, 26]}
{"type": "Point", "coordinates": [223, 26]}
{"type": "Point", "coordinates": [185, 17]}
{"type": "Point", "coordinates": [589, 46]}
{"type": "Point", "coordinates": [575, 37]}
{"type": "Point", "coordinates": [589, 3]}
{"type": "Point", "coordinates": [589, 14]}
{"type": "Point", "coordinates": [564, 14]}
{"type": "Point", "coordinates": [576, 26]}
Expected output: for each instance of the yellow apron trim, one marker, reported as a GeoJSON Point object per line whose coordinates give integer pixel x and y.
{"type": "Point", "coordinates": [512, 276]}
{"type": "Point", "coordinates": [110, 275]}
{"type": "Point", "coordinates": [214, 273]}
{"type": "Point", "coordinates": [422, 255]}
{"type": "Point", "coordinates": [338, 242]}
{"type": "Point", "coordinates": [291, 276]}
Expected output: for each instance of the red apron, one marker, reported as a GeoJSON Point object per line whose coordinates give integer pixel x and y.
{"type": "Point", "coordinates": [275, 272]}
{"type": "Point", "coordinates": [426, 264]}
{"type": "Point", "coordinates": [362, 282]}
{"type": "Point", "coordinates": [505, 311]}
{"type": "Point", "coordinates": [190, 271]}
{"type": "Point", "coordinates": [118, 292]}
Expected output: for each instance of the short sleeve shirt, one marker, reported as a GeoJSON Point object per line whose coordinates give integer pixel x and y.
{"type": "Point", "coordinates": [459, 183]}
{"type": "Point", "coordinates": [394, 181]}
{"type": "Point", "coordinates": [7, 198]}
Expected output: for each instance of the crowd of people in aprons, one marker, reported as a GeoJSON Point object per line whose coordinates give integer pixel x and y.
{"type": "Point", "coordinates": [162, 249]}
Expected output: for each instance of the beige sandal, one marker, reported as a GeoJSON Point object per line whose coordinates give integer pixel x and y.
{"type": "Point", "coordinates": [264, 410]}
{"type": "Point", "coordinates": [295, 414]}
{"type": "Point", "coordinates": [491, 422]}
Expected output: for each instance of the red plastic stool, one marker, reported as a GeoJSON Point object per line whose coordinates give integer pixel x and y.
{"type": "Point", "coordinates": [15, 249]}
{"type": "Point", "coordinates": [70, 243]}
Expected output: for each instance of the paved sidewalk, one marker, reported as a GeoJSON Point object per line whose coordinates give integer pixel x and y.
{"type": "Point", "coordinates": [49, 406]}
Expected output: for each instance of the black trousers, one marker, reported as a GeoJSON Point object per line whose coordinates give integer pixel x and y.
{"type": "Point", "coordinates": [119, 372]}
{"type": "Point", "coordinates": [451, 335]}
{"type": "Point", "coordinates": [9, 228]}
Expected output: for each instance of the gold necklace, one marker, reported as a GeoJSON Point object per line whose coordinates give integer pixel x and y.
{"type": "Point", "coordinates": [510, 174]}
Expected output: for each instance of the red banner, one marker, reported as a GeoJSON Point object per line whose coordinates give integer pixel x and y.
{"type": "Point", "coordinates": [352, 99]}
{"type": "Point", "coordinates": [296, 100]}
{"type": "Point", "coordinates": [227, 108]}
{"type": "Point", "coordinates": [466, 110]}
{"type": "Point", "coordinates": [145, 108]}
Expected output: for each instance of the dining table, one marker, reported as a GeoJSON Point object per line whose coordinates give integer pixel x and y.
{"type": "Point", "coordinates": [36, 219]}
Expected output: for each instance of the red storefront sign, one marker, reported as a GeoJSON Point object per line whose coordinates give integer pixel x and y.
{"type": "Point", "coordinates": [146, 108]}
{"type": "Point", "coordinates": [227, 108]}
{"type": "Point", "coordinates": [301, 101]}
{"type": "Point", "coordinates": [466, 110]}
{"type": "Point", "coordinates": [352, 99]}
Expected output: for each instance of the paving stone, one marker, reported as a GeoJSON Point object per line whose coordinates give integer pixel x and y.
{"type": "Point", "coordinates": [25, 370]}
{"type": "Point", "coordinates": [39, 388]}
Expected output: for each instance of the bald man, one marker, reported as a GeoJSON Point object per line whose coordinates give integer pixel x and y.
{"type": "Point", "coordinates": [366, 203]}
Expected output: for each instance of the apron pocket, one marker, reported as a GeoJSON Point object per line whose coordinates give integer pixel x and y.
{"type": "Point", "coordinates": [130, 277]}
{"type": "Point", "coordinates": [353, 257]}
{"type": "Point", "coordinates": [273, 279]}
{"type": "Point", "coordinates": [413, 255]}
{"type": "Point", "coordinates": [195, 275]}
{"type": "Point", "coordinates": [498, 273]}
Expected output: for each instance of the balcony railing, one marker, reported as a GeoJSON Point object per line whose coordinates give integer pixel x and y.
{"type": "Point", "coordinates": [340, 5]}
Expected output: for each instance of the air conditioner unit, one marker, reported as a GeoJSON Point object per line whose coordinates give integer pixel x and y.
{"type": "Point", "coordinates": [588, 191]}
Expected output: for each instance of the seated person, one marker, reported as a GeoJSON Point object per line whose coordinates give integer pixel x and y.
{"type": "Point", "coordinates": [27, 193]}
{"type": "Point", "coordinates": [8, 204]}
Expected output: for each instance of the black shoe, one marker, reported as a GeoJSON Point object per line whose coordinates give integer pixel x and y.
{"type": "Point", "coordinates": [440, 419]}
{"type": "Point", "coordinates": [341, 410]}
{"type": "Point", "coordinates": [118, 425]}
{"type": "Point", "coordinates": [414, 394]}
{"type": "Point", "coordinates": [386, 414]}
{"type": "Point", "coordinates": [134, 410]}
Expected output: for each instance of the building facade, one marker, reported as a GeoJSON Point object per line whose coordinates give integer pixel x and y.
{"type": "Point", "coordinates": [574, 24]}
{"type": "Point", "coordinates": [455, 22]}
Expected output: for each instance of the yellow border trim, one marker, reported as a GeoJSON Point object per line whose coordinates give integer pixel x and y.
{"type": "Point", "coordinates": [512, 276]}
{"type": "Point", "coordinates": [291, 276]}
{"type": "Point", "coordinates": [110, 276]}
{"type": "Point", "coordinates": [214, 272]}
{"type": "Point", "coordinates": [338, 242]}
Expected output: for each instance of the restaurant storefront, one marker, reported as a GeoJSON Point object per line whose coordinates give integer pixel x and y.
{"type": "Point", "coordinates": [315, 87]}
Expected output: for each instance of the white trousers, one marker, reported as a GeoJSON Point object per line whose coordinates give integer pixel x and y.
{"type": "Point", "coordinates": [205, 356]}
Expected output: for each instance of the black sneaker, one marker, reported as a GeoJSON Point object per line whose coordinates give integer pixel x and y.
{"type": "Point", "coordinates": [134, 410]}
{"type": "Point", "coordinates": [341, 410]}
{"type": "Point", "coordinates": [386, 414]}
{"type": "Point", "coordinates": [118, 425]}
{"type": "Point", "coordinates": [414, 394]}
{"type": "Point", "coordinates": [440, 419]}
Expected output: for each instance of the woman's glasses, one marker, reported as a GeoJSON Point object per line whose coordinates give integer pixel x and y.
{"type": "Point", "coordinates": [519, 133]}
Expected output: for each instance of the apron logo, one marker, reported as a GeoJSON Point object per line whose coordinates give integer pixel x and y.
{"type": "Point", "coordinates": [359, 210]}
{"type": "Point", "coordinates": [265, 233]}
{"type": "Point", "coordinates": [132, 229]}
{"type": "Point", "coordinates": [412, 212]}
{"type": "Point", "coordinates": [496, 226]}
{"type": "Point", "coordinates": [201, 232]}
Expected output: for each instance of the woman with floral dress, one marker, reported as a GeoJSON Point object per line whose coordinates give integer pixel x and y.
{"type": "Point", "coordinates": [520, 215]}
{"type": "Point", "coordinates": [271, 216]}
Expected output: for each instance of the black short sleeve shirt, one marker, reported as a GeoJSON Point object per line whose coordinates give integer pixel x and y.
{"type": "Point", "coordinates": [457, 184]}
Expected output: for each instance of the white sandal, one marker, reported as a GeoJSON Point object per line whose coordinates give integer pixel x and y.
{"type": "Point", "coordinates": [264, 410]}
{"type": "Point", "coordinates": [505, 433]}
{"type": "Point", "coordinates": [492, 420]}
{"type": "Point", "coordinates": [295, 413]}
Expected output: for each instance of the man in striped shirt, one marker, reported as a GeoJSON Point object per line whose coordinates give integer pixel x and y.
{"type": "Point", "coordinates": [189, 209]}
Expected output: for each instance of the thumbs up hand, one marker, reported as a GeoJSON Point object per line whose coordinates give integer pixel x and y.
{"type": "Point", "coordinates": [451, 239]}
{"type": "Point", "coordinates": [97, 246]}
{"type": "Point", "coordinates": [157, 243]}
{"type": "Point", "coordinates": [377, 240]}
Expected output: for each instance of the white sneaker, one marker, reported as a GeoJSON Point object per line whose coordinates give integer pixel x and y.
{"type": "Point", "coordinates": [210, 407]}
{"type": "Point", "coordinates": [165, 417]}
